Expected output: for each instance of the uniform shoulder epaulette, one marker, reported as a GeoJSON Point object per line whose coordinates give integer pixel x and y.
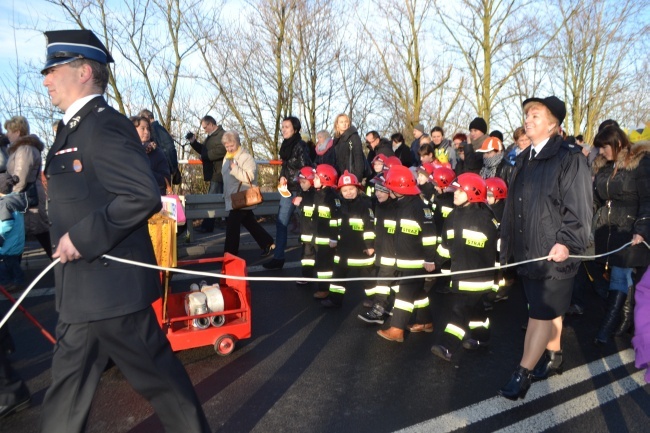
{"type": "Point", "coordinates": [572, 148]}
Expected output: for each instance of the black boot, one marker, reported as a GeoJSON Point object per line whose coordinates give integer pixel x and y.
{"type": "Point", "coordinates": [549, 364]}
{"type": "Point", "coordinates": [518, 385]}
{"type": "Point", "coordinates": [274, 264]}
{"type": "Point", "coordinates": [615, 301]}
{"type": "Point", "coordinates": [628, 314]}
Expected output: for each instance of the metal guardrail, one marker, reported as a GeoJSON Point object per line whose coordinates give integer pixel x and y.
{"type": "Point", "coordinates": [199, 206]}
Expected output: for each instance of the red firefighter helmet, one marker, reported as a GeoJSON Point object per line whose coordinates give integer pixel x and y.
{"type": "Point", "coordinates": [473, 185]}
{"type": "Point", "coordinates": [327, 175]}
{"type": "Point", "coordinates": [426, 168]}
{"type": "Point", "coordinates": [391, 161]}
{"type": "Point", "coordinates": [307, 173]}
{"type": "Point", "coordinates": [436, 164]}
{"type": "Point", "coordinates": [443, 176]}
{"type": "Point", "coordinates": [400, 179]}
{"type": "Point", "coordinates": [381, 157]}
{"type": "Point", "coordinates": [348, 178]}
{"type": "Point", "coordinates": [498, 187]}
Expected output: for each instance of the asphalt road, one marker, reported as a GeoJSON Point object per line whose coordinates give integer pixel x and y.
{"type": "Point", "coordinates": [308, 369]}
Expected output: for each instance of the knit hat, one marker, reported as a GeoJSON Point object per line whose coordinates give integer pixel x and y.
{"type": "Point", "coordinates": [498, 134]}
{"type": "Point", "coordinates": [478, 123]}
{"type": "Point", "coordinates": [419, 127]}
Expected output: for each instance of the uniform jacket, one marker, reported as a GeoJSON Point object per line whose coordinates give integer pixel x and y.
{"type": "Point", "coordinates": [641, 340]}
{"type": "Point", "coordinates": [443, 204]}
{"type": "Point", "coordinates": [306, 212]}
{"type": "Point", "coordinates": [556, 200]}
{"type": "Point", "coordinates": [622, 206]}
{"type": "Point", "coordinates": [327, 206]}
{"type": "Point", "coordinates": [216, 152]}
{"type": "Point", "coordinates": [104, 207]}
{"type": "Point", "coordinates": [469, 240]}
{"type": "Point", "coordinates": [245, 171]}
{"type": "Point", "coordinates": [385, 232]}
{"type": "Point", "coordinates": [356, 225]}
{"type": "Point", "coordinates": [415, 236]}
{"type": "Point", "coordinates": [349, 145]}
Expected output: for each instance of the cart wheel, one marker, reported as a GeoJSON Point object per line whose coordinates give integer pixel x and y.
{"type": "Point", "coordinates": [224, 345]}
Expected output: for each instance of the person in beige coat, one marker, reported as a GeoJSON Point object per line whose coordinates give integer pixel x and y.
{"type": "Point", "coordinates": [25, 162]}
{"type": "Point", "coordinates": [240, 173]}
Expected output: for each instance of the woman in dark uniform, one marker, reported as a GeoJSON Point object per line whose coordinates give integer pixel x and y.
{"type": "Point", "coordinates": [547, 214]}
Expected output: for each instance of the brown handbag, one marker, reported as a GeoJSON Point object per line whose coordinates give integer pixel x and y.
{"type": "Point", "coordinates": [246, 198]}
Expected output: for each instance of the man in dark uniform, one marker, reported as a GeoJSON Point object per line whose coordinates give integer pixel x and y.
{"type": "Point", "coordinates": [101, 193]}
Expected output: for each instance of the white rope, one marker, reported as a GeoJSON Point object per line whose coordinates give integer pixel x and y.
{"type": "Point", "coordinates": [26, 292]}
{"type": "Point", "coordinates": [286, 279]}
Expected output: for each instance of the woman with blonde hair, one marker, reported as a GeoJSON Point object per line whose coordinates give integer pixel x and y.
{"type": "Point", "coordinates": [349, 151]}
{"type": "Point", "coordinates": [26, 163]}
{"type": "Point", "coordinates": [547, 214]}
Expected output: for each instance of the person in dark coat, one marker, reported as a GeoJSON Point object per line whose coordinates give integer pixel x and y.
{"type": "Point", "coordinates": [349, 151]}
{"type": "Point", "coordinates": [14, 395]}
{"type": "Point", "coordinates": [104, 306]}
{"type": "Point", "coordinates": [401, 149]}
{"type": "Point", "coordinates": [418, 133]}
{"type": "Point", "coordinates": [163, 140]}
{"type": "Point", "coordinates": [157, 159]}
{"type": "Point", "coordinates": [377, 145]}
{"type": "Point", "coordinates": [622, 204]}
{"type": "Point", "coordinates": [547, 214]}
{"type": "Point", "coordinates": [295, 155]}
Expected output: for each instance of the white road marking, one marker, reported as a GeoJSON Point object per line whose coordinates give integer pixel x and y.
{"type": "Point", "coordinates": [578, 406]}
{"type": "Point", "coordinates": [477, 412]}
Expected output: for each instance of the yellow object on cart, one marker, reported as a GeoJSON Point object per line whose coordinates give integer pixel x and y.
{"type": "Point", "coordinates": [162, 230]}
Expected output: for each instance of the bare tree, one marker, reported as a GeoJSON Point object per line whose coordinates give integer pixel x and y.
{"type": "Point", "coordinates": [496, 39]}
{"type": "Point", "coordinates": [596, 56]}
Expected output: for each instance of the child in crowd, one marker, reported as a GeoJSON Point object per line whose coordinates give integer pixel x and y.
{"type": "Point", "coordinates": [377, 168]}
{"type": "Point", "coordinates": [325, 224]}
{"type": "Point", "coordinates": [382, 294]}
{"type": "Point", "coordinates": [469, 241]}
{"type": "Point", "coordinates": [304, 202]}
{"type": "Point", "coordinates": [426, 152]}
{"type": "Point", "coordinates": [443, 204]}
{"type": "Point", "coordinates": [414, 241]}
{"type": "Point", "coordinates": [356, 239]}
{"type": "Point", "coordinates": [427, 189]}
{"type": "Point", "coordinates": [12, 234]}
{"type": "Point", "coordinates": [497, 191]}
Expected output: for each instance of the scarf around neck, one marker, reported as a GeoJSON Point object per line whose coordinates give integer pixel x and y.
{"type": "Point", "coordinates": [489, 168]}
{"type": "Point", "coordinates": [287, 146]}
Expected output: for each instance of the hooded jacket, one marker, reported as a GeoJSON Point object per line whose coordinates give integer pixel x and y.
{"type": "Point", "coordinates": [622, 205]}
{"type": "Point", "coordinates": [549, 201]}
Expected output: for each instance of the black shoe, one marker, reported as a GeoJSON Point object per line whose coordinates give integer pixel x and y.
{"type": "Point", "coordinates": [368, 303]}
{"type": "Point", "coordinates": [441, 352]}
{"type": "Point", "coordinates": [518, 385]}
{"type": "Point", "coordinates": [375, 315]}
{"type": "Point", "coordinates": [328, 303]}
{"type": "Point", "coordinates": [5, 411]}
{"type": "Point", "coordinates": [268, 250]}
{"type": "Point", "coordinates": [274, 264]}
{"type": "Point", "coordinates": [472, 344]}
{"type": "Point", "coordinates": [549, 364]}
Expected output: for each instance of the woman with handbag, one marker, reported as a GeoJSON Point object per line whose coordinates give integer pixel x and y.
{"type": "Point", "coordinates": [241, 195]}
{"type": "Point", "coordinates": [25, 162]}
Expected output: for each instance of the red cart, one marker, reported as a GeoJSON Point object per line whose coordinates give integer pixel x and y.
{"type": "Point", "coordinates": [170, 311]}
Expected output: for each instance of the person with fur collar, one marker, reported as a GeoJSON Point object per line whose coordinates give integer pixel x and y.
{"type": "Point", "coordinates": [622, 204]}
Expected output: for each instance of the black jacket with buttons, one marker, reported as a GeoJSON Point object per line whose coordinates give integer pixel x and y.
{"type": "Point", "coordinates": [549, 201]}
{"type": "Point", "coordinates": [102, 192]}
